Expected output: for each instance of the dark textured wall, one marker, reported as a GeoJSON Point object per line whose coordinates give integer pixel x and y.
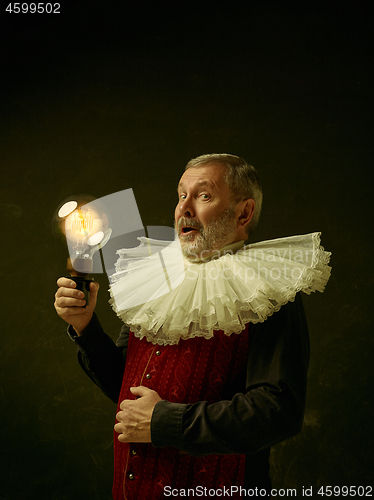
{"type": "Point", "coordinates": [122, 94]}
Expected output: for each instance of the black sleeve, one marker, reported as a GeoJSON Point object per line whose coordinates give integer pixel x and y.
{"type": "Point", "coordinates": [100, 358]}
{"type": "Point", "coordinates": [270, 410]}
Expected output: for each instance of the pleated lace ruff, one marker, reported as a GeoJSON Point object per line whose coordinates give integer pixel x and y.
{"type": "Point", "coordinates": [164, 297]}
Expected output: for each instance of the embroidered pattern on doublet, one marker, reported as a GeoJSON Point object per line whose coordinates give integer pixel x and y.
{"type": "Point", "coordinates": [194, 370]}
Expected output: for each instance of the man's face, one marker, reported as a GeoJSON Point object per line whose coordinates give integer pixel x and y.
{"type": "Point", "coordinates": [204, 219]}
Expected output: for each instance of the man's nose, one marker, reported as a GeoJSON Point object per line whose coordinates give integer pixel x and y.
{"type": "Point", "coordinates": [186, 208]}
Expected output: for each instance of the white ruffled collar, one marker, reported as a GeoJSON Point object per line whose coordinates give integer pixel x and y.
{"type": "Point", "coordinates": [231, 248]}
{"type": "Point", "coordinates": [165, 298]}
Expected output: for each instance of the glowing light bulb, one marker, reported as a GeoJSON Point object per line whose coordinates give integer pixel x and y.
{"type": "Point", "coordinates": [82, 223]}
{"type": "Point", "coordinates": [79, 226]}
{"type": "Point", "coordinates": [84, 226]}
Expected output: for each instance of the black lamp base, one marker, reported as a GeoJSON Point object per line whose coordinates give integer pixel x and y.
{"type": "Point", "coordinates": [83, 284]}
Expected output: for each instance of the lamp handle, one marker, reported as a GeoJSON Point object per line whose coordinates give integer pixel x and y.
{"type": "Point", "coordinates": [83, 284]}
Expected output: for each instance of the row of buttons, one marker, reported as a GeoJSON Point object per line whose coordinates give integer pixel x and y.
{"type": "Point", "coordinates": [133, 452]}
{"type": "Point", "coordinates": [148, 376]}
{"type": "Point", "coordinates": [131, 475]}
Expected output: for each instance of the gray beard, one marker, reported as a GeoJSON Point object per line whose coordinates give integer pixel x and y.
{"type": "Point", "coordinates": [215, 236]}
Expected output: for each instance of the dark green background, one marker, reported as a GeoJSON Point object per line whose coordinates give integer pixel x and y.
{"type": "Point", "coordinates": [112, 95]}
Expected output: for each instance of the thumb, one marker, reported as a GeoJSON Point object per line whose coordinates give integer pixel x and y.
{"type": "Point", "coordinates": [94, 288]}
{"type": "Point", "coordinates": [140, 391]}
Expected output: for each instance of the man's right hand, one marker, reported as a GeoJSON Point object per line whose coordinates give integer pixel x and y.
{"type": "Point", "coordinates": [69, 304]}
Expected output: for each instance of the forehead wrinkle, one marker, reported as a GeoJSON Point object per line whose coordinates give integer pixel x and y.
{"type": "Point", "coordinates": [199, 184]}
{"type": "Point", "coordinates": [210, 176]}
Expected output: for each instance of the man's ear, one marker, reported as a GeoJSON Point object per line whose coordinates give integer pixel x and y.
{"type": "Point", "coordinates": [247, 208]}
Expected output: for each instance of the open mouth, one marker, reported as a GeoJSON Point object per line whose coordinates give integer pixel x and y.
{"type": "Point", "coordinates": [188, 229]}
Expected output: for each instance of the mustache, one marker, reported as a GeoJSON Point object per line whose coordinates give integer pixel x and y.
{"type": "Point", "coordinates": [187, 221]}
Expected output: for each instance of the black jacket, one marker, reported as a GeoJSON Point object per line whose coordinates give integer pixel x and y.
{"type": "Point", "coordinates": [270, 410]}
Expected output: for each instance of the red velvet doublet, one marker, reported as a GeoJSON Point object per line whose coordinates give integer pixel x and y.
{"type": "Point", "coordinates": [194, 370]}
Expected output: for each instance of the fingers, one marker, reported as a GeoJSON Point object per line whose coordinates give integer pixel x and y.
{"type": "Point", "coordinates": [70, 301]}
{"type": "Point", "coordinates": [124, 435]}
{"type": "Point", "coordinates": [69, 296]}
{"type": "Point", "coordinates": [66, 306]}
{"type": "Point", "coordinates": [71, 306]}
{"type": "Point", "coordinates": [126, 424]}
{"type": "Point", "coordinates": [118, 427]}
{"type": "Point", "coordinates": [66, 282]}
{"type": "Point", "coordinates": [140, 391]}
{"type": "Point", "coordinates": [124, 421]}
{"type": "Point", "coordinates": [67, 299]}
{"type": "Point", "coordinates": [134, 421]}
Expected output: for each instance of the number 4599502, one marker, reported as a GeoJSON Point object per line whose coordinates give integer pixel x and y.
{"type": "Point", "coordinates": [33, 8]}
{"type": "Point", "coordinates": [345, 491]}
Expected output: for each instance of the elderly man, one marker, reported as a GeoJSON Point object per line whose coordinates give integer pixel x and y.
{"type": "Point", "coordinates": [198, 410]}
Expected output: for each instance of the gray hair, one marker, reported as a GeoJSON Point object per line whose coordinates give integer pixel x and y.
{"type": "Point", "coordinates": [242, 179]}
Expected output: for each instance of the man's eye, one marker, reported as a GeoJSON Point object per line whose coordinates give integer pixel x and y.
{"type": "Point", "coordinates": [182, 196]}
{"type": "Point", "coordinates": [205, 196]}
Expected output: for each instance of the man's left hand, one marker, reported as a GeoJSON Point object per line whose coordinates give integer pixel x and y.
{"type": "Point", "coordinates": [134, 419]}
